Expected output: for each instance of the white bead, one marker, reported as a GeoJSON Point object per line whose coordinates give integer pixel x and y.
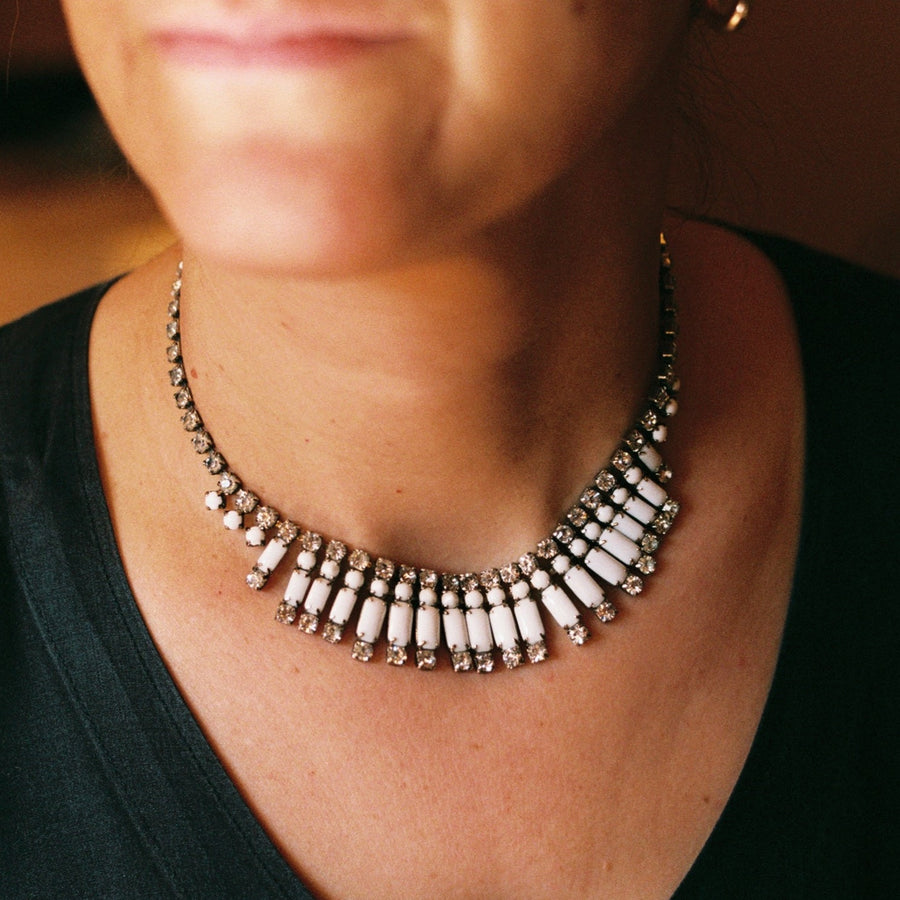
{"type": "Point", "coordinates": [297, 586]}
{"type": "Point", "coordinates": [619, 546]}
{"type": "Point", "coordinates": [638, 509]}
{"type": "Point", "coordinates": [634, 475]}
{"type": "Point", "coordinates": [400, 622]}
{"type": "Point", "coordinates": [371, 618]}
{"type": "Point", "coordinates": [519, 590]}
{"type": "Point", "coordinates": [503, 626]}
{"type": "Point", "coordinates": [620, 495]}
{"type": "Point", "coordinates": [428, 627]}
{"type": "Point", "coordinates": [540, 579]}
{"type": "Point", "coordinates": [582, 584]}
{"type": "Point", "coordinates": [496, 596]}
{"type": "Point", "coordinates": [449, 599]}
{"type": "Point", "coordinates": [609, 569]}
{"type": "Point", "coordinates": [254, 536]}
{"type": "Point", "coordinates": [343, 605]}
{"type": "Point", "coordinates": [650, 457]}
{"type": "Point", "coordinates": [272, 555]}
{"type": "Point", "coordinates": [318, 595]}
{"type": "Point", "coordinates": [652, 492]}
{"type": "Point", "coordinates": [379, 587]}
{"type": "Point", "coordinates": [561, 564]}
{"type": "Point", "coordinates": [560, 606]}
{"type": "Point", "coordinates": [592, 529]}
{"type": "Point", "coordinates": [631, 528]}
{"type": "Point", "coordinates": [232, 520]}
{"type": "Point", "coordinates": [528, 618]}
{"type": "Point", "coordinates": [455, 629]}
{"type": "Point", "coordinates": [474, 599]}
{"type": "Point", "coordinates": [604, 513]}
{"type": "Point", "coordinates": [306, 560]}
{"type": "Point", "coordinates": [354, 579]}
{"type": "Point", "coordinates": [330, 569]}
{"type": "Point", "coordinates": [579, 547]}
{"type": "Point", "coordinates": [479, 627]}
{"type": "Point", "coordinates": [660, 433]}
{"type": "Point", "coordinates": [403, 592]}
{"type": "Point", "coordinates": [671, 407]}
{"type": "Point", "coordinates": [214, 500]}
{"type": "Point", "coordinates": [428, 597]}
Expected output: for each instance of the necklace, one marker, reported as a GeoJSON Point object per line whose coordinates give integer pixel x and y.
{"type": "Point", "coordinates": [607, 540]}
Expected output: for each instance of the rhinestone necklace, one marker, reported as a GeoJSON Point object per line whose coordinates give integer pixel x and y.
{"type": "Point", "coordinates": [607, 540]}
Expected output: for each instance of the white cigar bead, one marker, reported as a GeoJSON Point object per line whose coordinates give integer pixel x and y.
{"type": "Point", "coordinates": [455, 629]}
{"type": "Point", "coordinates": [503, 626]}
{"type": "Point", "coordinates": [561, 564]}
{"type": "Point", "coordinates": [560, 606]}
{"type": "Point", "coordinates": [478, 626]}
{"type": "Point", "coordinates": [428, 597]}
{"type": "Point", "coordinates": [582, 584]}
{"type": "Point", "coordinates": [254, 536]}
{"type": "Point", "coordinates": [604, 513]}
{"type": "Point", "coordinates": [631, 528]}
{"type": "Point", "coordinates": [652, 492]}
{"type": "Point", "coordinates": [579, 547]}
{"type": "Point", "coordinates": [306, 560]}
{"type": "Point", "coordinates": [297, 586]}
{"type": "Point", "coordinates": [428, 627]}
{"type": "Point", "coordinates": [371, 618]}
{"type": "Point", "coordinates": [343, 605]}
{"type": "Point", "coordinates": [400, 622]}
{"type": "Point", "coordinates": [519, 590]}
{"type": "Point", "coordinates": [593, 529]}
{"type": "Point", "coordinates": [619, 546]}
{"type": "Point", "coordinates": [403, 592]}
{"type": "Point", "coordinates": [528, 618]}
{"type": "Point", "coordinates": [232, 520]}
{"type": "Point", "coordinates": [650, 457]}
{"type": "Point", "coordinates": [379, 587]}
{"type": "Point", "coordinates": [449, 599]}
{"type": "Point", "coordinates": [638, 509]}
{"type": "Point", "coordinates": [319, 592]}
{"type": "Point", "coordinates": [634, 475]}
{"type": "Point", "coordinates": [272, 555]}
{"type": "Point", "coordinates": [354, 579]}
{"type": "Point", "coordinates": [540, 579]}
{"type": "Point", "coordinates": [496, 596]}
{"type": "Point", "coordinates": [214, 500]}
{"type": "Point", "coordinates": [609, 569]}
{"type": "Point", "coordinates": [474, 599]}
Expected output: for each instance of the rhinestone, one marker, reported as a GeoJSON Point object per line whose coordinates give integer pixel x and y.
{"type": "Point", "coordinates": [578, 516]}
{"type": "Point", "coordinates": [335, 551]}
{"type": "Point", "coordinates": [176, 376]}
{"type": "Point", "coordinates": [470, 582]}
{"type": "Point", "coordinates": [591, 498]}
{"type": "Point", "coordinates": [661, 524]}
{"type": "Point", "coordinates": [632, 585]}
{"type": "Point", "coordinates": [173, 352]}
{"type": "Point", "coordinates": [229, 483]}
{"type": "Point", "coordinates": [286, 613]}
{"type": "Point", "coordinates": [450, 582]}
{"type": "Point", "coordinates": [183, 398]}
{"type": "Point", "coordinates": [606, 612]}
{"type": "Point", "coordinates": [333, 632]}
{"type": "Point", "coordinates": [396, 655]}
{"type": "Point", "coordinates": [173, 304]}
{"type": "Point", "coordinates": [287, 531]}
{"type": "Point", "coordinates": [311, 541]}
{"type": "Point", "coordinates": [649, 543]}
{"type": "Point", "coordinates": [362, 650]}
{"type": "Point", "coordinates": [201, 442]}
{"type": "Point", "coordinates": [565, 534]}
{"type": "Point", "coordinates": [245, 501]}
{"type": "Point", "coordinates": [547, 549]}
{"type": "Point", "coordinates": [428, 579]}
{"type": "Point", "coordinates": [510, 573]}
{"type": "Point", "coordinates": [215, 462]}
{"type": "Point", "coordinates": [646, 565]}
{"type": "Point", "coordinates": [635, 441]}
{"type": "Point", "coordinates": [191, 420]}
{"type": "Point", "coordinates": [490, 578]}
{"type": "Point", "coordinates": [622, 460]}
{"type": "Point", "coordinates": [426, 659]}
{"type": "Point", "coordinates": [649, 420]}
{"type": "Point", "coordinates": [384, 568]}
{"type": "Point", "coordinates": [266, 517]}
{"type": "Point", "coordinates": [671, 508]}
{"type": "Point", "coordinates": [171, 330]}
{"type": "Point", "coordinates": [606, 481]}
{"type": "Point", "coordinates": [512, 657]}
{"type": "Point", "coordinates": [663, 474]}
{"type": "Point", "coordinates": [537, 652]}
{"type": "Point", "coordinates": [528, 564]}
{"type": "Point", "coordinates": [462, 661]}
{"type": "Point", "coordinates": [484, 662]}
{"type": "Point", "coordinates": [407, 575]}
{"type": "Point", "coordinates": [660, 397]}
{"type": "Point", "coordinates": [361, 560]}
{"type": "Point", "coordinates": [257, 578]}
{"type": "Point", "coordinates": [578, 633]}
{"type": "Point", "coordinates": [309, 622]}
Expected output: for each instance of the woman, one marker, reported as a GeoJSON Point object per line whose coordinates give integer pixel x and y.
{"type": "Point", "coordinates": [419, 307]}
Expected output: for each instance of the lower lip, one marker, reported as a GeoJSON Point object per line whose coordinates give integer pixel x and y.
{"type": "Point", "coordinates": [210, 50]}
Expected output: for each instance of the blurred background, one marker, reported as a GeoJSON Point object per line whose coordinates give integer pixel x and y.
{"type": "Point", "coordinates": [797, 118]}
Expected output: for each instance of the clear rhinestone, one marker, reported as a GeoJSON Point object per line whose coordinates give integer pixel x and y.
{"type": "Point", "coordinates": [565, 534]}
{"type": "Point", "coordinates": [606, 481]}
{"type": "Point", "coordinates": [201, 441]}
{"type": "Point", "coordinates": [173, 303]}
{"type": "Point", "coordinates": [537, 652]}
{"type": "Point", "coordinates": [396, 655]}
{"type": "Point", "coordinates": [663, 474]}
{"type": "Point", "coordinates": [649, 420]}
{"type": "Point", "coordinates": [547, 549]}
{"type": "Point", "coordinates": [578, 633]}
{"type": "Point", "coordinates": [335, 551]}
{"type": "Point", "coordinates": [510, 573]}
{"type": "Point", "coordinates": [578, 516]}
{"type": "Point", "coordinates": [311, 541]}
{"type": "Point", "coordinates": [646, 565]}
{"type": "Point", "coordinates": [257, 578]}
{"type": "Point", "coordinates": [591, 498]}
{"type": "Point", "coordinates": [360, 560]}
{"type": "Point", "coordinates": [184, 398]}
{"type": "Point", "coordinates": [215, 462]}
{"type": "Point", "coordinates": [462, 661]}
{"type": "Point", "coordinates": [191, 420]}
{"type": "Point", "coordinates": [287, 532]}
{"type": "Point", "coordinates": [245, 501]}
{"type": "Point", "coordinates": [173, 352]}
{"type": "Point", "coordinates": [671, 508]}
{"type": "Point", "coordinates": [660, 397]}
{"type": "Point", "coordinates": [484, 662]}
{"type": "Point", "coordinates": [632, 585]}
{"type": "Point", "coordinates": [362, 650]}
{"type": "Point", "coordinates": [384, 568]}
{"type": "Point", "coordinates": [606, 611]}
{"type": "Point", "coordinates": [426, 659]}
{"type": "Point", "coordinates": [176, 376]}
{"type": "Point", "coordinates": [490, 578]}
{"type": "Point", "coordinates": [528, 564]}
{"type": "Point", "coordinates": [266, 517]}
{"type": "Point", "coordinates": [229, 483]}
{"type": "Point", "coordinates": [309, 622]}
{"type": "Point", "coordinates": [661, 524]}
{"type": "Point", "coordinates": [512, 657]}
{"type": "Point", "coordinates": [622, 460]}
{"type": "Point", "coordinates": [286, 613]}
{"type": "Point", "coordinates": [635, 440]}
{"type": "Point", "coordinates": [470, 582]}
{"type": "Point", "coordinates": [333, 632]}
{"type": "Point", "coordinates": [450, 582]}
{"type": "Point", "coordinates": [428, 579]}
{"type": "Point", "coordinates": [171, 330]}
{"type": "Point", "coordinates": [407, 575]}
{"type": "Point", "coordinates": [649, 543]}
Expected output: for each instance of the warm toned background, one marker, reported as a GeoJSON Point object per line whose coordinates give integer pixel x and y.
{"type": "Point", "coordinates": [802, 109]}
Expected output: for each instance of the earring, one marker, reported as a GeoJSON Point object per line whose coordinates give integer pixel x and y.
{"type": "Point", "coordinates": [729, 19]}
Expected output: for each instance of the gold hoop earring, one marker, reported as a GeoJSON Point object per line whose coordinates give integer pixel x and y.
{"type": "Point", "coordinates": [728, 20]}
